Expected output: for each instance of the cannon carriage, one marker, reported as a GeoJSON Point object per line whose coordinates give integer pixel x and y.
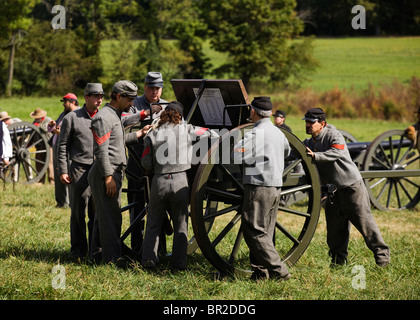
{"type": "Point", "coordinates": [31, 154]}
{"type": "Point", "coordinates": [216, 183]}
{"type": "Point", "coordinates": [389, 166]}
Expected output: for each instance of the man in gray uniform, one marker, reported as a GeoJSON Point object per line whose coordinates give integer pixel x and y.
{"type": "Point", "coordinates": [70, 104]}
{"type": "Point", "coordinates": [106, 175]}
{"type": "Point", "coordinates": [75, 158]}
{"type": "Point", "coordinates": [168, 152]}
{"type": "Point", "coordinates": [262, 151]}
{"type": "Point", "coordinates": [351, 200]}
{"type": "Point", "coordinates": [153, 88]}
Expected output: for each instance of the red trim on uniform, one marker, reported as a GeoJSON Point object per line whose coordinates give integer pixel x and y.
{"type": "Point", "coordinates": [145, 152]}
{"type": "Point", "coordinates": [338, 146]}
{"type": "Point", "coordinates": [100, 140]}
{"type": "Point", "coordinates": [142, 114]}
{"type": "Point", "coordinates": [92, 114]}
{"type": "Point", "coordinates": [201, 131]}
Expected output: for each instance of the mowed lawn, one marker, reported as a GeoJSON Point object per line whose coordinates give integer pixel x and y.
{"type": "Point", "coordinates": [356, 62]}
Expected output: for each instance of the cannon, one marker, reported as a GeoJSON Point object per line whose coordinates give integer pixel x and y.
{"type": "Point", "coordinates": [31, 153]}
{"type": "Point", "coordinates": [216, 184]}
{"type": "Point", "coordinates": [389, 166]}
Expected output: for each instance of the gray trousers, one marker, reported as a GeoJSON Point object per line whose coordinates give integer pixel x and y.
{"type": "Point", "coordinates": [81, 203]}
{"type": "Point", "coordinates": [137, 233]}
{"type": "Point", "coordinates": [61, 190]}
{"type": "Point", "coordinates": [107, 215]}
{"type": "Point", "coordinates": [352, 205]}
{"type": "Point", "coordinates": [259, 214]}
{"type": "Point", "coordinates": [169, 192]}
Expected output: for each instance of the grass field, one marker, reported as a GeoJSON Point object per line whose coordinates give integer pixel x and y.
{"type": "Point", "coordinates": [35, 238]}
{"type": "Point", "coordinates": [356, 62]}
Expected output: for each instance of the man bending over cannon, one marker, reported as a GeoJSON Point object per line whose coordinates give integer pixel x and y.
{"type": "Point", "coordinates": [350, 202]}
{"type": "Point", "coordinates": [262, 151]}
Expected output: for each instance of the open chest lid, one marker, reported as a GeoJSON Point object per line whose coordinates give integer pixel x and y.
{"type": "Point", "coordinates": [214, 104]}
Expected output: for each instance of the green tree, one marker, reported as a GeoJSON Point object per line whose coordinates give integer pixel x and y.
{"type": "Point", "coordinates": [14, 21]}
{"type": "Point", "coordinates": [257, 35]}
{"type": "Point", "coordinates": [187, 26]}
{"type": "Point", "coordinates": [178, 20]}
{"type": "Point", "coordinates": [52, 62]}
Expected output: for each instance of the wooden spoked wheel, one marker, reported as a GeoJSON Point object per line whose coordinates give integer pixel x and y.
{"type": "Point", "coordinates": [391, 172]}
{"type": "Point", "coordinates": [348, 137]}
{"type": "Point", "coordinates": [31, 153]}
{"type": "Point", "coordinates": [216, 203]}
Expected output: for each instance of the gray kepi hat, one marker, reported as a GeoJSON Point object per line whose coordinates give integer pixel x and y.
{"type": "Point", "coordinates": [262, 103]}
{"type": "Point", "coordinates": [314, 114]}
{"type": "Point", "coordinates": [93, 88]}
{"type": "Point", "coordinates": [280, 113]}
{"type": "Point", "coordinates": [154, 79]}
{"type": "Point", "coordinates": [126, 88]}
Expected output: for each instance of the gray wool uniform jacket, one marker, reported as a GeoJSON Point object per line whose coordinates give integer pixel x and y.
{"type": "Point", "coordinates": [169, 147]}
{"type": "Point", "coordinates": [141, 103]}
{"type": "Point", "coordinates": [75, 141]}
{"type": "Point", "coordinates": [262, 152]}
{"type": "Point", "coordinates": [109, 140]}
{"type": "Point", "coordinates": [333, 159]}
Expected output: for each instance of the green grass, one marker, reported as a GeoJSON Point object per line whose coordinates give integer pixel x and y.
{"type": "Point", "coordinates": [35, 238]}
{"type": "Point", "coordinates": [21, 107]}
{"type": "Point", "coordinates": [344, 62]}
{"type": "Point", "coordinates": [356, 62]}
{"type": "Point", "coordinates": [362, 129]}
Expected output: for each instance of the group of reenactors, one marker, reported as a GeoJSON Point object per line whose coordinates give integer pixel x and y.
{"type": "Point", "coordinates": [90, 160]}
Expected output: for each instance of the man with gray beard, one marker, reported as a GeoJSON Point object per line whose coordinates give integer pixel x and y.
{"type": "Point", "coordinates": [262, 152]}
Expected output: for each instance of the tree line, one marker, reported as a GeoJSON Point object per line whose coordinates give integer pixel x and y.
{"type": "Point", "coordinates": [383, 17]}
{"type": "Point", "coordinates": [267, 42]}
